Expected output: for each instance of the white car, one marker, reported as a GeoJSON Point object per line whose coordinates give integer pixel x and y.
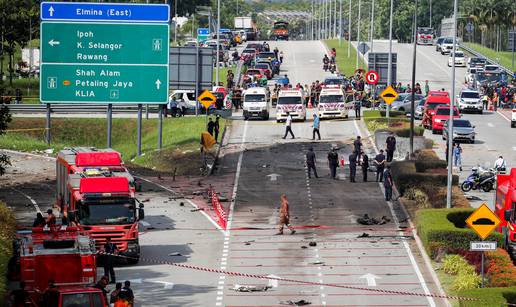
{"type": "Point", "coordinates": [494, 69]}
{"type": "Point", "coordinates": [469, 100]}
{"type": "Point", "coordinates": [470, 75]}
{"type": "Point", "coordinates": [460, 59]}
{"type": "Point", "coordinates": [447, 45]}
{"type": "Point", "coordinates": [256, 103]}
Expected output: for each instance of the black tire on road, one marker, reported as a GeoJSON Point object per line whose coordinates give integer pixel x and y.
{"type": "Point", "coordinates": [487, 187]}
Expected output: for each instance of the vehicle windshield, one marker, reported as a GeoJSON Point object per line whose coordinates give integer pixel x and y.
{"type": "Point", "coordinates": [262, 66]}
{"type": "Point", "coordinates": [446, 111]}
{"type": "Point", "coordinates": [331, 98]}
{"type": "Point", "coordinates": [490, 67]}
{"type": "Point", "coordinates": [253, 72]}
{"type": "Point", "coordinates": [490, 77]}
{"type": "Point", "coordinates": [290, 100]}
{"type": "Point", "coordinates": [425, 30]}
{"type": "Point", "coordinates": [265, 55]}
{"type": "Point", "coordinates": [448, 41]}
{"type": "Point", "coordinates": [432, 106]}
{"type": "Point", "coordinates": [469, 95]}
{"type": "Point", "coordinates": [477, 61]}
{"type": "Point", "coordinates": [107, 212]}
{"type": "Point", "coordinates": [401, 97]}
{"type": "Point", "coordinates": [93, 299]}
{"type": "Point", "coordinates": [254, 98]}
{"type": "Point", "coordinates": [248, 51]}
{"type": "Point", "coordinates": [458, 55]}
{"type": "Point", "coordinates": [280, 26]}
{"type": "Point", "coordinates": [462, 123]}
{"type": "Point", "coordinates": [334, 81]}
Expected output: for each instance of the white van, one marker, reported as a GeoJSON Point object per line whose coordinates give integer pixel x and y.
{"type": "Point", "coordinates": [332, 103]}
{"type": "Point", "coordinates": [256, 103]}
{"type": "Point", "coordinates": [187, 96]}
{"type": "Point", "coordinates": [290, 100]}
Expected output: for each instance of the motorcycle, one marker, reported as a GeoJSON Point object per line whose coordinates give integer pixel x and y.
{"type": "Point", "coordinates": [479, 179]}
{"type": "Point", "coordinates": [333, 68]}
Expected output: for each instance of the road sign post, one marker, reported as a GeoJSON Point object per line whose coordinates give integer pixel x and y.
{"type": "Point", "coordinates": [388, 95]}
{"type": "Point", "coordinates": [483, 221]}
{"type": "Point", "coordinates": [108, 53]}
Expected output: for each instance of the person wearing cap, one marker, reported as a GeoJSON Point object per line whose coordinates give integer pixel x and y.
{"type": "Point", "coordinates": [310, 162]}
{"type": "Point", "coordinates": [316, 125]}
{"type": "Point", "coordinates": [333, 162]}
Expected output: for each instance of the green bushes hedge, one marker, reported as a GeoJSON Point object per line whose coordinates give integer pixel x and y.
{"type": "Point", "coordinates": [392, 113]}
{"type": "Point", "coordinates": [489, 297]}
{"type": "Point", "coordinates": [7, 232]}
{"type": "Point", "coordinates": [405, 175]}
{"type": "Point", "coordinates": [439, 233]}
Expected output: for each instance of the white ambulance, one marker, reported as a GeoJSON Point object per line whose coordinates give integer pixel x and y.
{"type": "Point", "coordinates": [256, 103]}
{"type": "Point", "coordinates": [292, 101]}
{"type": "Point", "coordinates": [332, 103]}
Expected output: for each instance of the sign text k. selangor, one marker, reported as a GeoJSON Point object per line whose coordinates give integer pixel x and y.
{"type": "Point", "coordinates": [107, 60]}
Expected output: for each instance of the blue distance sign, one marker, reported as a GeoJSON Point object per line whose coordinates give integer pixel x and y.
{"type": "Point", "coordinates": [114, 12]}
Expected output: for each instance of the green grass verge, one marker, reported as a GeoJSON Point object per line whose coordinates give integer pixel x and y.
{"type": "Point", "coordinates": [29, 88]}
{"type": "Point", "coordinates": [397, 124]}
{"type": "Point", "coordinates": [346, 65]}
{"type": "Point", "coordinates": [489, 297]}
{"type": "Point", "coordinates": [504, 57]}
{"type": "Point", "coordinates": [7, 232]}
{"type": "Point", "coordinates": [180, 138]}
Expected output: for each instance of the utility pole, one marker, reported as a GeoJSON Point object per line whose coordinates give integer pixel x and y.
{"type": "Point", "coordinates": [312, 33]}
{"type": "Point", "coordinates": [349, 30]}
{"type": "Point", "coordinates": [372, 25]}
{"type": "Point", "coordinates": [452, 104]}
{"type": "Point", "coordinates": [389, 68]}
{"type": "Point", "coordinates": [340, 23]}
{"type": "Point", "coordinates": [358, 30]}
{"type": "Point", "coordinates": [430, 5]}
{"type": "Point", "coordinates": [335, 19]}
{"type": "Point", "coordinates": [218, 44]}
{"type": "Point", "coordinates": [175, 22]}
{"type": "Point", "coordinates": [413, 95]}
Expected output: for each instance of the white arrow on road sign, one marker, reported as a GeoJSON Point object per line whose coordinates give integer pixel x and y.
{"type": "Point", "coordinates": [158, 83]}
{"type": "Point", "coordinates": [273, 177]}
{"type": "Point", "coordinates": [52, 42]}
{"type": "Point", "coordinates": [51, 11]}
{"type": "Point", "coordinates": [371, 279]}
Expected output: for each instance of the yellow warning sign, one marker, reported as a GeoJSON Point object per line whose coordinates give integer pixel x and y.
{"type": "Point", "coordinates": [483, 221]}
{"type": "Point", "coordinates": [207, 98]}
{"type": "Point", "coordinates": [389, 95]}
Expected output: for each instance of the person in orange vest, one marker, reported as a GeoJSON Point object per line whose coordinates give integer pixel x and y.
{"type": "Point", "coordinates": [285, 216]}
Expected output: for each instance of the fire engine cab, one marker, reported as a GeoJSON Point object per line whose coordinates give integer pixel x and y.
{"type": "Point", "coordinates": [96, 191]}
{"type": "Point", "coordinates": [505, 205]}
{"type": "Point", "coordinates": [68, 258]}
{"type": "Point", "coordinates": [332, 103]}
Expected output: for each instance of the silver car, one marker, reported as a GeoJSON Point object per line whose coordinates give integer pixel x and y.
{"type": "Point", "coordinates": [403, 102]}
{"type": "Point", "coordinates": [462, 131]}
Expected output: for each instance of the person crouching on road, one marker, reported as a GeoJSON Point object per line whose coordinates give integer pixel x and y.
{"type": "Point", "coordinates": [285, 216]}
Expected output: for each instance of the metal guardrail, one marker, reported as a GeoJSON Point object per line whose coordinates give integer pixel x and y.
{"type": "Point", "coordinates": [74, 108]}
{"type": "Point", "coordinates": [491, 61]}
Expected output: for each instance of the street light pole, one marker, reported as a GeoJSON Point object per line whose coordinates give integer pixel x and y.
{"type": "Point", "coordinates": [372, 25]}
{"type": "Point", "coordinates": [413, 95]}
{"type": "Point", "coordinates": [389, 65]}
{"type": "Point", "coordinates": [340, 23]}
{"type": "Point", "coordinates": [358, 30]}
{"type": "Point", "coordinates": [218, 44]}
{"type": "Point", "coordinates": [175, 22]}
{"type": "Point", "coordinates": [349, 30]}
{"type": "Point", "coordinates": [430, 13]}
{"type": "Point", "coordinates": [312, 33]}
{"type": "Point", "coordinates": [452, 105]}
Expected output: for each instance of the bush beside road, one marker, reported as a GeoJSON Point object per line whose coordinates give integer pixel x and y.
{"type": "Point", "coordinates": [181, 137]}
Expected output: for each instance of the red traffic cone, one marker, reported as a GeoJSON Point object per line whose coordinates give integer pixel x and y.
{"type": "Point", "coordinates": [309, 103]}
{"type": "Point", "coordinates": [342, 162]}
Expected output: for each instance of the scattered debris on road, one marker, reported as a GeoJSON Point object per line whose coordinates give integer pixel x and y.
{"type": "Point", "coordinates": [366, 220]}
{"type": "Point", "coordinates": [245, 288]}
{"type": "Point", "coordinates": [198, 209]}
{"type": "Point", "coordinates": [363, 235]}
{"type": "Point", "coordinates": [181, 204]}
{"type": "Point", "coordinates": [312, 243]}
{"type": "Point", "coordinates": [295, 303]}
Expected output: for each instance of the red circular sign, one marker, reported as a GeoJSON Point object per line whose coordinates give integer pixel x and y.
{"type": "Point", "coordinates": [372, 77]}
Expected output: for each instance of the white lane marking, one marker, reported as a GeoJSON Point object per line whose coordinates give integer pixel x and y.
{"type": "Point", "coordinates": [503, 115]}
{"type": "Point", "coordinates": [225, 251]}
{"type": "Point", "coordinates": [34, 203]}
{"type": "Point", "coordinates": [370, 279]}
{"type": "Point", "coordinates": [188, 201]}
{"type": "Point", "coordinates": [419, 275]}
{"type": "Point", "coordinates": [490, 125]}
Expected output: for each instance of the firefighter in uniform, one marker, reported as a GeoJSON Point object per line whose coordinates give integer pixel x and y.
{"type": "Point", "coordinates": [285, 216]}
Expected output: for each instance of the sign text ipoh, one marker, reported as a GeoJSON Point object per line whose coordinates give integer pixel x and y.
{"type": "Point", "coordinates": [105, 61]}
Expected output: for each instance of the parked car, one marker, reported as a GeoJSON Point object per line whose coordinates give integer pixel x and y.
{"type": "Point", "coordinates": [463, 130]}
{"type": "Point", "coordinates": [264, 69]}
{"type": "Point", "coordinates": [460, 59]}
{"type": "Point", "coordinates": [469, 100]}
{"type": "Point", "coordinates": [470, 76]}
{"type": "Point", "coordinates": [474, 62]}
{"type": "Point", "coordinates": [420, 108]}
{"type": "Point", "coordinates": [447, 45]}
{"type": "Point", "coordinates": [442, 113]}
{"type": "Point", "coordinates": [431, 104]}
{"type": "Point", "coordinates": [404, 100]}
{"type": "Point", "coordinates": [494, 69]}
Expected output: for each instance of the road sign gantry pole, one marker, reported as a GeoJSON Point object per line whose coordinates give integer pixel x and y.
{"type": "Point", "coordinates": [358, 31]}
{"type": "Point", "coordinates": [413, 94]}
{"type": "Point", "coordinates": [389, 61]}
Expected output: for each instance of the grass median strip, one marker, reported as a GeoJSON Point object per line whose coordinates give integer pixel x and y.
{"type": "Point", "coordinates": [181, 137]}
{"type": "Point", "coordinates": [346, 65]}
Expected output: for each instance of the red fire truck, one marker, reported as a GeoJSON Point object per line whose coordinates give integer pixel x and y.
{"type": "Point", "coordinates": [505, 205]}
{"type": "Point", "coordinates": [96, 191]}
{"type": "Point", "coordinates": [65, 256]}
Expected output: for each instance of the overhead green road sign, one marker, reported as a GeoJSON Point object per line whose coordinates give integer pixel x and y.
{"type": "Point", "coordinates": [103, 83]}
{"type": "Point", "coordinates": [104, 43]}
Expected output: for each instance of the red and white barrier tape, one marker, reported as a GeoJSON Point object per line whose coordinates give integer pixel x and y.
{"type": "Point", "coordinates": [269, 277]}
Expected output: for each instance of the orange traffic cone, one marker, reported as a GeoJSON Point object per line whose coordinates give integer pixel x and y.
{"type": "Point", "coordinates": [309, 103]}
